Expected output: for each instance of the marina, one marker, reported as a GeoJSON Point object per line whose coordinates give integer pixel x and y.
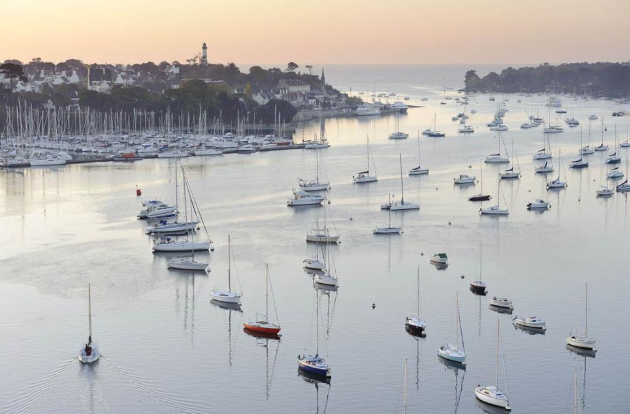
{"type": "Point", "coordinates": [68, 226]}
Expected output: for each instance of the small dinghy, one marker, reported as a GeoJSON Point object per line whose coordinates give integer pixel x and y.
{"type": "Point", "coordinates": [89, 353]}
{"type": "Point", "coordinates": [532, 322]}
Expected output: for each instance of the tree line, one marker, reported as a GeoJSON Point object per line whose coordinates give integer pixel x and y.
{"type": "Point", "coordinates": [600, 79]}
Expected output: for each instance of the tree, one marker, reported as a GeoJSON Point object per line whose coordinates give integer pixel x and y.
{"type": "Point", "coordinates": [310, 69]}
{"type": "Point", "coordinates": [13, 72]}
{"type": "Point", "coordinates": [471, 80]}
{"type": "Point", "coordinates": [292, 66]}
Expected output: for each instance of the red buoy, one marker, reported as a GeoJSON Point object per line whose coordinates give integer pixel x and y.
{"type": "Point", "coordinates": [138, 192]}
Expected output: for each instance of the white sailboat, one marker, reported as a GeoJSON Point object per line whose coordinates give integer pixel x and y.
{"type": "Point", "coordinates": [452, 352]}
{"type": "Point", "coordinates": [389, 229]}
{"type": "Point", "coordinates": [326, 277]}
{"type": "Point", "coordinates": [319, 235]}
{"type": "Point", "coordinates": [227, 296]}
{"type": "Point", "coordinates": [364, 176]}
{"type": "Point", "coordinates": [557, 183]}
{"type": "Point", "coordinates": [316, 184]}
{"type": "Point", "coordinates": [398, 134]}
{"type": "Point", "coordinates": [418, 170]}
{"type": "Point", "coordinates": [510, 173]}
{"type": "Point", "coordinates": [497, 158]}
{"type": "Point", "coordinates": [90, 352]}
{"type": "Point", "coordinates": [402, 204]}
{"type": "Point", "coordinates": [491, 394]}
{"type": "Point", "coordinates": [495, 210]}
{"type": "Point", "coordinates": [583, 342]}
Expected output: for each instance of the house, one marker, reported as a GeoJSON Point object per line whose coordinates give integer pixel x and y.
{"type": "Point", "coordinates": [99, 78]}
{"type": "Point", "coordinates": [263, 97]}
{"type": "Point", "coordinates": [289, 86]}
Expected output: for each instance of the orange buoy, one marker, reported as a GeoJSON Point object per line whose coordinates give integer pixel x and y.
{"type": "Point", "coordinates": [138, 192]}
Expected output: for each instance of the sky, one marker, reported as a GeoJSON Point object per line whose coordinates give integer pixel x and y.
{"type": "Point", "coordinates": [317, 31]}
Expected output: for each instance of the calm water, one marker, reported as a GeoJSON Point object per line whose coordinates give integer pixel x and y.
{"type": "Point", "coordinates": [167, 349]}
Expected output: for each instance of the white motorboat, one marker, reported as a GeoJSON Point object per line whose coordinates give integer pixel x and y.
{"type": "Point", "coordinates": [398, 135]}
{"type": "Point", "coordinates": [553, 129]}
{"type": "Point", "coordinates": [247, 149]}
{"type": "Point", "coordinates": [491, 394]}
{"type": "Point", "coordinates": [615, 174]}
{"type": "Point", "coordinates": [494, 211]}
{"type": "Point", "coordinates": [173, 154]}
{"type": "Point", "coordinates": [499, 302]}
{"type": "Point", "coordinates": [532, 322]}
{"type": "Point", "coordinates": [208, 151]}
{"type": "Point", "coordinates": [369, 110]}
{"type": "Point", "coordinates": [48, 161]}
{"type": "Point", "coordinates": [452, 352]}
{"type": "Point", "coordinates": [90, 352]}
{"type": "Point", "coordinates": [317, 145]}
{"type": "Point", "coordinates": [583, 342]}
{"type": "Point", "coordinates": [439, 258]}
{"type": "Point", "coordinates": [186, 263]}
{"type": "Point", "coordinates": [302, 198]}
{"type": "Point", "coordinates": [604, 192]}
{"type": "Point", "coordinates": [464, 179]}
{"type": "Point", "coordinates": [538, 204]}
{"type": "Point", "coordinates": [499, 127]}
{"type": "Point", "coordinates": [624, 144]}
{"type": "Point", "coordinates": [227, 296]}
{"type": "Point", "coordinates": [465, 129]}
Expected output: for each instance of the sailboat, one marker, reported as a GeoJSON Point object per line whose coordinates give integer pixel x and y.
{"type": "Point", "coordinates": [314, 263]}
{"type": "Point", "coordinates": [262, 325]}
{"type": "Point", "coordinates": [318, 235]}
{"type": "Point", "coordinates": [557, 183]}
{"type": "Point", "coordinates": [188, 262]}
{"type": "Point", "coordinates": [583, 342]}
{"type": "Point", "coordinates": [491, 394]}
{"type": "Point", "coordinates": [314, 364]}
{"type": "Point", "coordinates": [398, 134]}
{"type": "Point", "coordinates": [601, 147]}
{"type": "Point", "coordinates": [389, 229]}
{"type": "Point", "coordinates": [326, 278]}
{"type": "Point", "coordinates": [316, 184]}
{"type": "Point", "coordinates": [414, 325]}
{"type": "Point", "coordinates": [364, 176]}
{"type": "Point", "coordinates": [90, 352]}
{"type": "Point", "coordinates": [452, 352]}
{"type": "Point", "coordinates": [542, 154]}
{"type": "Point", "coordinates": [402, 204]}
{"type": "Point", "coordinates": [613, 158]}
{"type": "Point", "coordinates": [478, 287]}
{"type": "Point", "coordinates": [510, 173]}
{"type": "Point", "coordinates": [431, 132]}
{"type": "Point", "coordinates": [624, 187]}
{"type": "Point", "coordinates": [227, 296]}
{"type": "Point", "coordinates": [495, 210]}
{"type": "Point", "coordinates": [497, 158]}
{"type": "Point", "coordinates": [418, 170]}
{"type": "Point", "coordinates": [481, 196]}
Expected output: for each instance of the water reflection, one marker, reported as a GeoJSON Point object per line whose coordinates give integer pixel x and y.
{"type": "Point", "coordinates": [230, 308]}
{"type": "Point", "coordinates": [317, 381]}
{"type": "Point", "coordinates": [263, 340]}
{"type": "Point", "coordinates": [459, 385]}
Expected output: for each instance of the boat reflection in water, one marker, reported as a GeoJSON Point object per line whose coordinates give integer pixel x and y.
{"type": "Point", "coordinates": [490, 409]}
{"type": "Point", "coordinates": [459, 385]}
{"type": "Point", "coordinates": [588, 353]}
{"type": "Point", "coordinates": [263, 341]}
{"type": "Point", "coordinates": [530, 330]}
{"type": "Point", "coordinates": [500, 309]}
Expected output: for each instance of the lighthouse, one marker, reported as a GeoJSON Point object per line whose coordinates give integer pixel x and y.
{"type": "Point", "coordinates": [204, 55]}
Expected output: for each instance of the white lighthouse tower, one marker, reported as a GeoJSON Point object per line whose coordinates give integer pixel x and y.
{"type": "Point", "coordinates": [204, 55]}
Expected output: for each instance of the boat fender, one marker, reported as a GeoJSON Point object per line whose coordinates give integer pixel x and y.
{"type": "Point", "coordinates": [138, 191]}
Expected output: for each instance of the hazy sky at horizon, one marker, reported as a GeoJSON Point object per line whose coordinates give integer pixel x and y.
{"type": "Point", "coordinates": [322, 31]}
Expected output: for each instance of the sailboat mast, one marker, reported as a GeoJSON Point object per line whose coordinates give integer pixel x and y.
{"type": "Point", "coordinates": [266, 292]}
{"type": "Point", "coordinates": [389, 210]}
{"type": "Point", "coordinates": [498, 342]}
{"type": "Point", "coordinates": [90, 313]}
{"type": "Point", "coordinates": [229, 263]}
{"type": "Point", "coordinates": [418, 313]}
{"type": "Point", "coordinates": [586, 309]}
{"type": "Point", "coordinates": [456, 318]}
{"type": "Point", "coordinates": [402, 187]}
{"type": "Point", "coordinates": [317, 322]}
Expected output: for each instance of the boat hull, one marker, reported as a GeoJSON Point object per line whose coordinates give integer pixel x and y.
{"type": "Point", "coordinates": [387, 230]}
{"type": "Point", "coordinates": [581, 342]}
{"type": "Point", "coordinates": [491, 399]}
{"type": "Point", "coordinates": [181, 246]}
{"type": "Point", "coordinates": [225, 297]}
{"type": "Point", "coordinates": [262, 328]}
